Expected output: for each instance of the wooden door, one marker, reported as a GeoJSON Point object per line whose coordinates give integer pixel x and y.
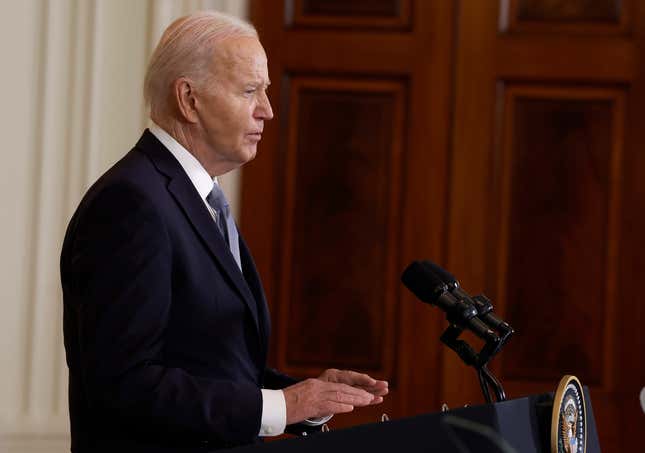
{"type": "Point", "coordinates": [548, 132]}
{"type": "Point", "coordinates": [500, 139]}
{"type": "Point", "coordinates": [337, 200]}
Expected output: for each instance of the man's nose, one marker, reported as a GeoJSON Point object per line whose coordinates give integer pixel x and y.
{"type": "Point", "coordinates": [263, 109]}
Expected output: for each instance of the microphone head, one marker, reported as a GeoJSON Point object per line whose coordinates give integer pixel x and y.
{"type": "Point", "coordinates": [443, 274]}
{"type": "Point", "coordinates": [422, 281]}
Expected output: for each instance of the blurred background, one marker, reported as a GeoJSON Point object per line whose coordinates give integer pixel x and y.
{"type": "Point", "coordinates": [502, 139]}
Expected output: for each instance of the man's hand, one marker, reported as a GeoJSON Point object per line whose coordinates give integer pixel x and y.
{"type": "Point", "coordinates": [315, 398]}
{"type": "Point", "coordinates": [360, 380]}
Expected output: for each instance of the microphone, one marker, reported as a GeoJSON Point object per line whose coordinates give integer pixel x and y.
{"type": "Point", "coordinates": [419, 278]}
{"type": "Point", "coordinates": [481, 303]}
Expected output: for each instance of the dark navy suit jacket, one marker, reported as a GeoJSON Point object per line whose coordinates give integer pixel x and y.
{"type": "Point", "coordinates": [166, 339]}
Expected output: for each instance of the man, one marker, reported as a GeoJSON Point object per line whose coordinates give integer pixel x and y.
{"type": "Point", "coordinates": [165, 320]}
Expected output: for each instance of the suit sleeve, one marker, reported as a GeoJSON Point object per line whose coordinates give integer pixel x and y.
{"type": "Point", "coordinates": [119, 266]}
{"type": "Point", "coordinates": [275, 380]}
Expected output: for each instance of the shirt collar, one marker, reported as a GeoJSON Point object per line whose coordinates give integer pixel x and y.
{"type": "Point", "coordinates": [195, 171]}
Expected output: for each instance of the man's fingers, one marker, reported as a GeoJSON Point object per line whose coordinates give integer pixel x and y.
{"type": "Point", "coordinates": [381, 392]}
{"type": "Point", "coordinates": [348, 389]}
{"type": "Point", "coordinates": [376, 400]}
{"type": "Point", "coordinates": [332, 407]}
{"type": "Point", "coordinates": [367, 393]}
{"type": "Point", "coordinates": [345, 388]}
{"type": "Point", "coordinates": [356, 379]}
{"type": "Point", "coordinates": [379, 389]}
{"type": "Point", "coordinates": [360, 399]}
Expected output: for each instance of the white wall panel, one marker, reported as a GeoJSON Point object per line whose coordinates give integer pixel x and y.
{"type": "Point", "coordinates": [20, 48]}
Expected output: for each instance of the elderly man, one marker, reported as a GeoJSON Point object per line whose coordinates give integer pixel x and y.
{"type": "Point", "coordinates": [165, 320]}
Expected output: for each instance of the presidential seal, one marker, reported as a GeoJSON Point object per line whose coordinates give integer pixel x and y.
{"type": "Point", "coordinates": [569, 418]}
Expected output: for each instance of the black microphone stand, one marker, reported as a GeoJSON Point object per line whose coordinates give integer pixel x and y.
{"type": "Point", "coordinates": [479, 360]}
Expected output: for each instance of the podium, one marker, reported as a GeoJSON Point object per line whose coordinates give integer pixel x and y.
{"type": "Point", "coordinates": [520, 425]}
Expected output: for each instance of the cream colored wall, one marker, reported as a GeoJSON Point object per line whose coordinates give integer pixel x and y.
{"type": "Point", "coordinates": [71, 79]}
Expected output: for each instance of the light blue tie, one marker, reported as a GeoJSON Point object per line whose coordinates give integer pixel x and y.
{"type": "Point", "coordinates": [224, 221]}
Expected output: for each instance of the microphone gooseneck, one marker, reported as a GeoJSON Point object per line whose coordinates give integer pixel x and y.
{"type": "Point", "coordinates": [434, 285]}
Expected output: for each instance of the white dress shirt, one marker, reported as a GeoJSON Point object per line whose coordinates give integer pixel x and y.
{"type": "Point", "coordinates": [274, 407]}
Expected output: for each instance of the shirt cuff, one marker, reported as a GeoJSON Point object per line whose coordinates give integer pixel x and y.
{"type": "Point", "coordinates": [274, 413]}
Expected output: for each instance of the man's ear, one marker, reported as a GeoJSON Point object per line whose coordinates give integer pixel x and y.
{"type": "Point", "coordinates": [183, 92]}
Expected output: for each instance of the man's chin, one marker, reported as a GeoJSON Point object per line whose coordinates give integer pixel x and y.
{"type": "Point", "coordinates": [243, 155]}
{"type": "Point", "coordinates": [250, 153]}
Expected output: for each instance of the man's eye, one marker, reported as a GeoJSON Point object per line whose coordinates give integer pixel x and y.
{"type": "Point", "coordinates": [250, 91]}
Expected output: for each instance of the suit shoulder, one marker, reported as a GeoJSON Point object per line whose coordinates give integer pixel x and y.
{"type": "Point", "coordinates": [134, 169]}
{"type": "Point", "coordinates": [131, 185]}
{"type": "Point", "coordinates": [134, 174]}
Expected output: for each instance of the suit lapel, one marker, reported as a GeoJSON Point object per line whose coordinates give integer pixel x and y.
{"type": "Point", "coordinates": [193, 207]}
{"type": "Point", "coordinates": [253, 278]}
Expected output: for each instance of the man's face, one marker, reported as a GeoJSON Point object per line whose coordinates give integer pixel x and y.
{"type": "Point", "coordinates": [235, 105]}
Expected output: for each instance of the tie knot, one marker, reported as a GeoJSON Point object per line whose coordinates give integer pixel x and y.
{"type": "Point", "coordinates": [217, 199]}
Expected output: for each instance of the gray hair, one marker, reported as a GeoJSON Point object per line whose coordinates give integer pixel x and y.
{"type": "Point", "coordinates": [186, 49]}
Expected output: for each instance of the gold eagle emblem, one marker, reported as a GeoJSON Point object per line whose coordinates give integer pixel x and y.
{"type": "Point", "coordinates": [568, 426]}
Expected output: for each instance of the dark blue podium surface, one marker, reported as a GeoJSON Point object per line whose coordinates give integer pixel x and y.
{"type": "Point", "coordinates": [521, 425]}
